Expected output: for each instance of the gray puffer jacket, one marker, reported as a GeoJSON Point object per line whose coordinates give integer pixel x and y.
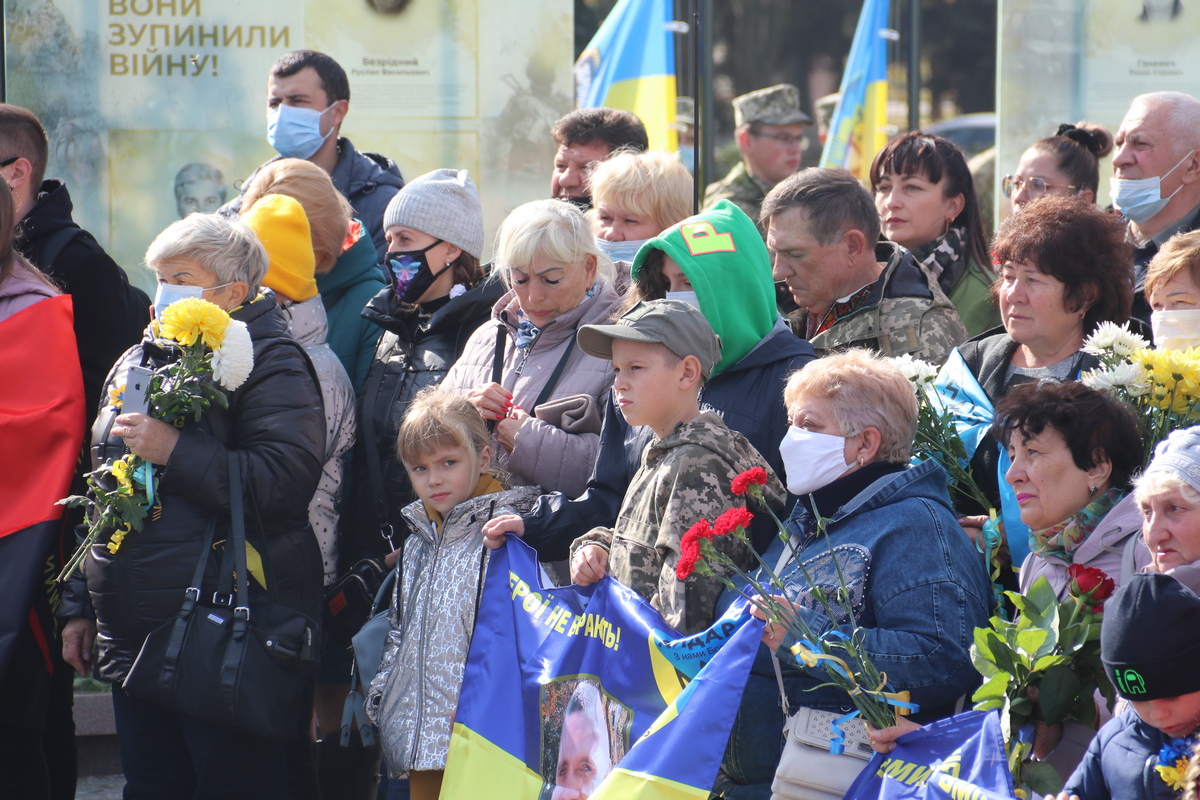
{"type": "Point", "coordinates": [543, 454]}
{"type": "Point", "coordinates": [309, 326]}
{"type": "Point", "coordinates": [415, 692]}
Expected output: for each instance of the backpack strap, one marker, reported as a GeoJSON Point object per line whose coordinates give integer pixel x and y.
{"type": "Point", "coordinates": [54, 243]}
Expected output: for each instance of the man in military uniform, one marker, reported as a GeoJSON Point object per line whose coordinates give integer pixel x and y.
{"type": "Point", "coordinates": [852, 289]}
{"type": "Point", "coordinates": [770, 136]}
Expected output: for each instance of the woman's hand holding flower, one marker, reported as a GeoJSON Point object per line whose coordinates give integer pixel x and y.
{"type": "Point", "coordinates": [773, 632]}
{"type": "Point", "coordinates": [148, 438]}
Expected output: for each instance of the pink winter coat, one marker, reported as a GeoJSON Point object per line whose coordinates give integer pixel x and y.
{"type": "Point", "coordinates": [1101, 550]}
{"type": "Point", "coordinates": [21, 289]}
{"type": "Point", "coordinates": [543, 455]}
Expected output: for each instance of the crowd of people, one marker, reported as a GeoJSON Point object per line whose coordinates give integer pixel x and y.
{"type": "Point", "coordinates": [593, 391]}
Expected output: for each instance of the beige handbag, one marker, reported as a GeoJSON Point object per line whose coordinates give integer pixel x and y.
{"type": "Point", "coordinates": [807, 770]}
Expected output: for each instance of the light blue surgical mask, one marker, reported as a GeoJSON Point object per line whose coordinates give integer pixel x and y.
{"type": "Point", "coordinates": [295, 132]}
{"type": "Point", "coordinates": [620, 251]}
{"type": "Point", "coordinates": [168, 293]}
{"type": "Point", "coordinates": [687, 155]}
{"type": "Point", "coordinates": [688, 297]}
{"type": "Point", "coordinates": [1139, 200]}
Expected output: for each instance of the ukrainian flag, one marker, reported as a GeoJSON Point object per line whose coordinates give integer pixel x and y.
{"type": "Point", "coordinates": [630, 65]}
{"type": "Point", "coordinates": [857, 130]}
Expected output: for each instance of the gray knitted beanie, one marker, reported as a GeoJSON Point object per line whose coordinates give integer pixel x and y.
{"type": "Point", "coordinates": [444, 204]}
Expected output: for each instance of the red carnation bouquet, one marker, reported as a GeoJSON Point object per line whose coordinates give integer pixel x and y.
{"type": "Point", "coordinates": [837, 654]}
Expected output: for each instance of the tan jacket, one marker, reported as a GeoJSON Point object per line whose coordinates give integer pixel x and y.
{"type": "Point", "coordinates": [543, 455]}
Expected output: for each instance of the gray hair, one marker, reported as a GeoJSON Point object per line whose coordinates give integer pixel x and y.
{"type": "Point", "coordinates": [832, 199]}
{"type": "Point", "coordinates": [1183, 118]}
{"type": "Point", "coordinates": [552, 230]}
{"type": "Point", "coordinates": [227, 249]}
{"type": "Point", "coordinates": [1153, 483]}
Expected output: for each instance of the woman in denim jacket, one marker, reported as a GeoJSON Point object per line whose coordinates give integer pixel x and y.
{"type": "Point", "coordinates": [916, 584]}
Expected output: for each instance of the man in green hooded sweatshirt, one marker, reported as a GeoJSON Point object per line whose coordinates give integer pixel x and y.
{"type": "Point", "coordinates": [717, 261]}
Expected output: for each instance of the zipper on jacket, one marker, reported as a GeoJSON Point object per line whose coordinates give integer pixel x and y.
{"type": "Point", "coordinates": [420, 726]}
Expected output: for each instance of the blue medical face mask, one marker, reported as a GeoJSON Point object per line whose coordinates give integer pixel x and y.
{"type": "Point", "coordinates": [688, 297]}
{"type": "Point", "coordinates": [168, 293]}
{"type": "Point", "coordinates": [687, 154]}
{"type": "Point", "coordinates": [295, 132]}
{"type": "Point", "coordinates": [1139, 200]}
{"type": "Point", "coordinates": [620, 251]}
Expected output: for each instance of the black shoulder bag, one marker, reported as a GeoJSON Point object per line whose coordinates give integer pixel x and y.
{"type": "Point", "coordinates": [230, 660]}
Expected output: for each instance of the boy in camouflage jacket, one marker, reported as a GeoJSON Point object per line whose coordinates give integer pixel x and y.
{"type": "Point", "coordinates": [662, 352]}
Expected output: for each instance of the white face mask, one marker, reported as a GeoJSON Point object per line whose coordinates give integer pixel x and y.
{"type": "Point", "coordinates": [1176, 330]}
{"type": "Point", "coordinates": [620, 251]}
{"type": "Point", "coordinates": [688, 297]}
{"type": "Point", "coordinates": [1139, 200]}
{"type": "Point", "coordinates": [812, 460]}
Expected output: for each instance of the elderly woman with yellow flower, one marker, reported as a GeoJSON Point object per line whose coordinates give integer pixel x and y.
{"type": "Point", "coordinates": [268, 413]}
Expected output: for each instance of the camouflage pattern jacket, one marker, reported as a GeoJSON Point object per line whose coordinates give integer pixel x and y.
{"type": "Point", "coordinates": [907, 312]}
{"type": "Point", "coordinates": [742, 189]}
{"type": "Point", "coordinates": [684, 477]}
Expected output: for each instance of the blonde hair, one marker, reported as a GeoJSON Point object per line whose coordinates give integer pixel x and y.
{"type": "Point", "coordinates": [654, 186]}
{"type": "Point", "coordinates": [1181, 252]}
{"type": "Point", "coordinates": [552, 230]}
{"type": "Point", "coordinates": [865, 391]}
{"type": "Point", "coordinates": [327, 211]}
{"type": "Point", "coordinates": [437, 418]}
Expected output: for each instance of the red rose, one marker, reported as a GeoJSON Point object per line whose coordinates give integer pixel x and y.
{"type": "Point", "coordinates": [731, 520]}
{"type": "Point", "coordinates": [756, 476]}
{"type": "Point", "coordinates": [1090, 583]}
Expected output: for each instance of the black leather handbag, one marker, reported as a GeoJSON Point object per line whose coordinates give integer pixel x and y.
{"type": "Point", "coordinates": [230, 659]}
{"type": "Point", "coordinates": [348, 600]}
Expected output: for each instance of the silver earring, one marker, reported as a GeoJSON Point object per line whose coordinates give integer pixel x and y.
{"type": "Point", "coordinates": [1092, 491]}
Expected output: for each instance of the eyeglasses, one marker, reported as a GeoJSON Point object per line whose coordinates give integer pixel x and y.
{"type": "Point", "coordinates": [1011, 184]}
{"type": "Point", "coordinates": [8, 161]}
{"type": "Point", "coordinates": [785, 139]}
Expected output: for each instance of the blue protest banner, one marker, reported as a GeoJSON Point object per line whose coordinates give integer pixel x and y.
{"type": "Point", "coordinates": [957, 758]}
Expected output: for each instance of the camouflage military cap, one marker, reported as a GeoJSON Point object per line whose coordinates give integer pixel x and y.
{"type": "Point", "coordinates": [678, 325]}
{"type": "Point", "coordinates": [775, 105]}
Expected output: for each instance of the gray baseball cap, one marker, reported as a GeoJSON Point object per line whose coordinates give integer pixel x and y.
{"type": "Point", "coordinates": [678, 325]}
{"type": "Point", "coordinates": [775, 105]}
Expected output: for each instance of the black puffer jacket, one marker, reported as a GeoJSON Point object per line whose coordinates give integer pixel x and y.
{"type": "Point", "coordinates": [110, 314]}
{"type": "Point", "coordinates": [415, 351]}
{"type": "Point", "coordinates": [277, 425]}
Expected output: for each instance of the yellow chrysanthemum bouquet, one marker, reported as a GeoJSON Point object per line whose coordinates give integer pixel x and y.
{"type": "Point", "coordinates": [214, 354]}
{"type": "Point", "coordinates": [1161, 387]}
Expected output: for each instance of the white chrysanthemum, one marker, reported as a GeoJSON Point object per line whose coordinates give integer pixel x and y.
{"type": "Point", "coordinates": [1111, 339]}
{"type": "Point", "coordinates": [234, 359]}
{"type": "Point", "coordinates": [1126, 377]}
{"type": "Point", "coordinates": [917, 371]}
{"type": "Point", "coordinates": [1098, 379]}
{"type": "Point", "coordinates": [457, 290]}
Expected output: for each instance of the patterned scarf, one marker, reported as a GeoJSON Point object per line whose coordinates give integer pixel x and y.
{"type": "Point", "coordinates": [1063, 539]}
{"type": "Point", "coordinates": [943, 253]}
{"type": "Point", "coordinates": [527, 332]}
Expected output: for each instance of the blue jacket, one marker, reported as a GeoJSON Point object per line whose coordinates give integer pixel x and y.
{"type": "Point", "coordinates": [748, 396]}
{"type": "Point", "coordinates": [918, 589]}
{"type": "Point", "coordinates": [1119, 763]}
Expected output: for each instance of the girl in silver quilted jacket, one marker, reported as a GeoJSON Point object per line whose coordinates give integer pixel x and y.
{"type": "Point", "coordinates": [445, 448]}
